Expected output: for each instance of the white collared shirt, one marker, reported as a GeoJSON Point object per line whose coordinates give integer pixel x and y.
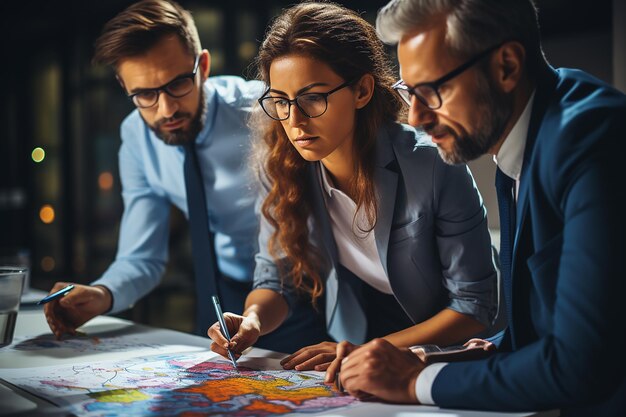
{"type": "Point", "coordinates": [509, 159]}
{"type": "Point", "coordinates": [356, 249]}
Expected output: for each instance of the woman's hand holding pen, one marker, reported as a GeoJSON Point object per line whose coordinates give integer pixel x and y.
{"type": "Point", "coordinates": [75, 308]}
{"type": "Point", "coordinates": [262, 306]}
{"type": "Point", "coordinates": [245, 331]}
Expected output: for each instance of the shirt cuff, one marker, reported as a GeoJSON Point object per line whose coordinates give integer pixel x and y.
{"type": "Point", "coordinates": [424, 383]}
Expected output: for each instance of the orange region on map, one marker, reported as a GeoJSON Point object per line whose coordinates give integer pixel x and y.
{"type": "Point", "coordinates": [271, 390]}
{"type": "Point", "coordinates": [255, 406]}
{"type": "Point", "coordinates": [258, 405]}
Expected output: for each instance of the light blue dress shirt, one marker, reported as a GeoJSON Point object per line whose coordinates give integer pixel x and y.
{"type": "Point", "coordinates": [152, 179]}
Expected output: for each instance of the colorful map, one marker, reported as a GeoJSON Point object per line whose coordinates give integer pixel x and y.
{"type": "Point", "coordinates": [184, 384]}
{"type": "Point", "coordinates": [84, 343]}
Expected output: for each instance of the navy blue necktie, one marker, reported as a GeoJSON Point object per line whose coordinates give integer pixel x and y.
{"type": "Point", "coordinates": [202, 243]}
{"type": "Point", "coordinates": [505, 187]}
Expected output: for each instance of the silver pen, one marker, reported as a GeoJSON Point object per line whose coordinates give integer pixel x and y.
{"type": "Point", "coordinates": [220, 318]}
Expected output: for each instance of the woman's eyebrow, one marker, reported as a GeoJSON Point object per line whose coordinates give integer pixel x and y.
{"type": "Point", "coordinates": [300, 91]}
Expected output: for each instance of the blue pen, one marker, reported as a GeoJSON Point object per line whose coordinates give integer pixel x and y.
{"type": "Point", "coordinates": [56, 295]}
{"type": "Point", "coordinates": [220, 318]}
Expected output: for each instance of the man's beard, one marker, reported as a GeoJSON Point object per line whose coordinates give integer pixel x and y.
{"type": "Point", "coordinates": [494, 109]}
{"type": "Point", "coordinates": [180, 136]}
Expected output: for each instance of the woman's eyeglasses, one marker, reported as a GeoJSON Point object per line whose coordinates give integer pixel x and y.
{"type": "Point", "coordinates": [310, 104]}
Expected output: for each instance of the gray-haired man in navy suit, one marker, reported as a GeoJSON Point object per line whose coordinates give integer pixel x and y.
{"type": "Point", "coordinates": [476, 79]}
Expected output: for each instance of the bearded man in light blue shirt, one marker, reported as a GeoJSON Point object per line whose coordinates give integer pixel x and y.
{"type": "Point", "coordinates": [155, 50]}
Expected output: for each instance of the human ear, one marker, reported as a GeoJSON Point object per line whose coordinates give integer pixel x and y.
{"type": "Point", "coordinates": [364, 91]}
{"type": "Point", "coordinates": [205, 64]}
{"type": "Point", "coordinates": [509, 65]}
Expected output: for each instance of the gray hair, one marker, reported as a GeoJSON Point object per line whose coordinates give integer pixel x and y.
{"type": "Point", "coordinates": [472, 25]}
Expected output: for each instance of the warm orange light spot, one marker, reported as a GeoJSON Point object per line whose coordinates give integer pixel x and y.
{"type": "Point", "coordinates": [46, 214]}
{"type": "Point", "coordinates": [105, 181]}
{"type": "Point", "coordinates": [47, 263]}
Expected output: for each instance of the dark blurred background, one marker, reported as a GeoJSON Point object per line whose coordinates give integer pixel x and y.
{"type": "Point", "coordinates": [60, 203]}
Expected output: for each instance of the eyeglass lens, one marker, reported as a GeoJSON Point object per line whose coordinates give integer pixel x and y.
{"type": "Point", "coordinates": [311, 104]}
{"type": "Point", "coordinates": [177, 88]}
{"type": "Point", "coordinates": [425, 94]}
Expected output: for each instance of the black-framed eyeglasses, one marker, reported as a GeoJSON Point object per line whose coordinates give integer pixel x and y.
{"type": "Point", "coordinates": [177, 88]}
{"type": "Point", "coordinates": [428, 93]}
{"type": "Point", "coordinates": [310, 104]}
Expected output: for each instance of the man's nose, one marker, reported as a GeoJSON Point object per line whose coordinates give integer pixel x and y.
{"type": "Point", "coordinates": [419, 114]}
{"type": "Point", "coordinates": [168, 106]}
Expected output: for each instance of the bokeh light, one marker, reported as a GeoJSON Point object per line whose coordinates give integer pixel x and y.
{"type": "Point", "coordinates": [105, 181]}
{"type": "Point", "coordinates": [38, 154]}
{"type": "Point", "coordinates": [47, 263]}
{"type": "Point", "coordinates": [46, 213]}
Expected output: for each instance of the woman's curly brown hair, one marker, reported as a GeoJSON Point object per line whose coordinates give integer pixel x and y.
{"type": "Point", "coordinates": [348, 44]}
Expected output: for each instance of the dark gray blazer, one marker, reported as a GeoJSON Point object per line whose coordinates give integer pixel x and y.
{"type": "Point", "coordinates": [431, 234]}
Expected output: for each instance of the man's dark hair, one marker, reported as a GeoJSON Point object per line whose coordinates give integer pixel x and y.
{"type": "Point", "coordinates": [138, 28]}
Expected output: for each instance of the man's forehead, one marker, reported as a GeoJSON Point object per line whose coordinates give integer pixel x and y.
{"type": "Point", "coordinates": [154, 68]}
{"type": "Point", "coordinates": [424, 55]}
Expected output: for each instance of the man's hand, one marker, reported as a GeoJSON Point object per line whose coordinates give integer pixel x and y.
{"type": "Point", "coordinates": [245, 331]}
{"type": "Point", "coordinates": [343, 349]}
{"type": "Point", "coordinates": [316, 357]}
{"type": "Point", "coordinates": [381, 370]}
{"type": "Point", "coordinates": [76, 308]}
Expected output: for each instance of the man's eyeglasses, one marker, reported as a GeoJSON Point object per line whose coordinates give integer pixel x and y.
{"type": "Point", "coordinates": [310, 104]}
{"type": "Point", "coordinates": [428, 93]}
{"type": "Point", "coordinates": [177, 88]}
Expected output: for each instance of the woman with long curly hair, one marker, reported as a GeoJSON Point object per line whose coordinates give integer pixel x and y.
{"type": "Point", "coordinates": [359, 213]}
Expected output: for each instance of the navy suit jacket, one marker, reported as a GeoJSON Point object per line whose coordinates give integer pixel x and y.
{"type": "Point", "coordinates": [564, 346]}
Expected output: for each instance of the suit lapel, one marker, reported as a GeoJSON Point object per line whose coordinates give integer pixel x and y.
{"type": "Point", "coordinates": [544, 90]}
{"type": "Point", "coordinates": [320, 213]}
{"type": "Point", "coordinates": [386, 183]}
{"type": "Point", "coordinates": [327, 242]}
